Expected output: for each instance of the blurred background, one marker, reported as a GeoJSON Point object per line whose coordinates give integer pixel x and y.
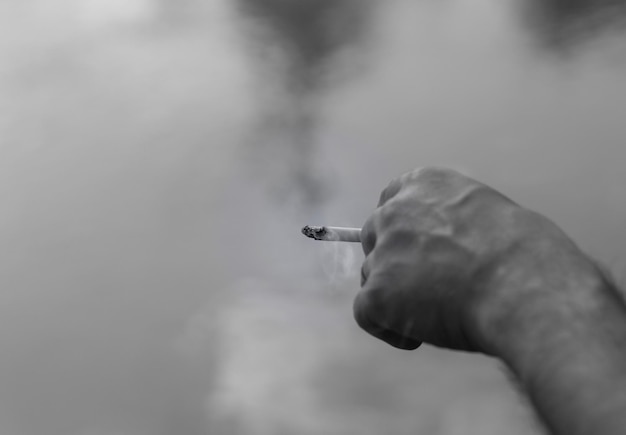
{"type": "Point", "coordinates": [158, 159]}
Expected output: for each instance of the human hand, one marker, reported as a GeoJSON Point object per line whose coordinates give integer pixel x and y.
{"type": "Point", "coordinates": [450, 261]}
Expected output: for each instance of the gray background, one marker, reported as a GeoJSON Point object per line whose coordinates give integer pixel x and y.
{"type": "Point", "coordinates": [157, 160]}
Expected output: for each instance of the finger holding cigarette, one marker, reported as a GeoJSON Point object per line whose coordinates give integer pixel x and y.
{"type": "Point", "coordinates": [332, 234]}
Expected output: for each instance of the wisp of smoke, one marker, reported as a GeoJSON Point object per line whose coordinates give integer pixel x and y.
{"type": "Point", "coordinates": [339, 262]}
{"type": "Point", "coordinates": [297, 48]}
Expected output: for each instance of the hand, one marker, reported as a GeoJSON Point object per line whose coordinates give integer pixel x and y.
{"type": "Point", "coordinates": [450, 261]}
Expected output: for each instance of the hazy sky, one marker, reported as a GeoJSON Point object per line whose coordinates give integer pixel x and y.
{"type": "Point", "coordinates": [157, 164]}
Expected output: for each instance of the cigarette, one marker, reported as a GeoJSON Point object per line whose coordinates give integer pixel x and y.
{"type": "Point", "coordinates": [333, 234]}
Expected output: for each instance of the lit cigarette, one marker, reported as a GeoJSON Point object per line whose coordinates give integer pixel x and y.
{"type": "Point", "coordinates": [333, 234]}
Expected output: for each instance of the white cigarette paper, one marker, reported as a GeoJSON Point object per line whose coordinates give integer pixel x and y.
{"type": "Point", "coordinates": [333, 234]}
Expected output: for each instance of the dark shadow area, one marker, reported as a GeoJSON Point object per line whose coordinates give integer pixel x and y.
{"type": "Point", "coordinates": [565, 24]}
{"type": "Point", "coordinates": [308, 33]}
{"type": "Point", "coordinates": [299, 49]}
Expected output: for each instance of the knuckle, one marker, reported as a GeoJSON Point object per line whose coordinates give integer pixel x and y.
{"type": "Point", "coordinates": [434, 173]}
{"type": "Point", "coordinates": [390, 191]}
{"type": "Point", "coordinates": [387, 216]}
{"type": "Point", "coordinates": [400, 237]}
{"type": "Point", "coordinates": [398, 215]}
{"type": "Point", "coordinates": [420, 172]}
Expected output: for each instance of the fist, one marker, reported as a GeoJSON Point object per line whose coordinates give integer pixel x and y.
{"type": "Point", "coordinates": [449, 260]}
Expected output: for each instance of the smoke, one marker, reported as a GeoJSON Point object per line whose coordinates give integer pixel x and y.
{"type": "Point", "coordinates": [565, 24]}
{"type": "Point", "coordinates": [108, 247]}
{"type": "Point", "coordinates": [309, 34]}
{"type": "Point", "coordinates": [266, 370]}
{"type": "Point", "coordinates": [340, 263]}
{"type": "Point", "coordinates": [299, 49]}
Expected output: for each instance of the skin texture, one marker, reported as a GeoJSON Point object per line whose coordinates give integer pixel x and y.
{"type": "Point", "coordinates": [456, 264]}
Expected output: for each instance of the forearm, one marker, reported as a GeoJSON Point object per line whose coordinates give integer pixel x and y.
{"type": "Point", "coordinates": [454, 263]}
{"type": "Point", "coordinates": [571, 360]}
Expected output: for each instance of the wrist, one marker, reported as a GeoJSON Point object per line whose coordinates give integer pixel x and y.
{"type": "Point", "coordinates": [566, 321]}
{"type": "Point", "coordinates": [562, 304]}
{"type": "Point", "coordinates": [568, 353]}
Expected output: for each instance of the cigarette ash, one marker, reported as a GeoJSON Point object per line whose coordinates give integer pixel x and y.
{"type": "Point", "coordinates": [338, 261]}
{"type": "Point", "coordinates": [314, 232]}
